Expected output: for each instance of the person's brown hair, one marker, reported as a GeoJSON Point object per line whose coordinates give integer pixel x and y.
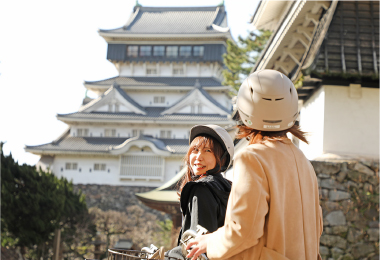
{"type": "Point", "coordinates": [198, 141]}
{"type": "Point", "coordinates": [256, 136]}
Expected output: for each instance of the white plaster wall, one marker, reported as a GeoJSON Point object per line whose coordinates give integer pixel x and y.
{"type": "Point", "coordinates": [205, 71]}
{"type": "Point", "coordinates": [192, 70]}
{"type": "Point", "coordinates": [102, 108]}
{"type": "Point", "coordinates": [176, 132]}
{"type": "Point", "coordinates": [312, 122]}
{"type": "Point", "coordinates": [165, 70]}
{"type": "Point", "coordinates": [172, 167]}
{"type": "Point", "coordinates": [351, 124]}
{"type": "Point", "coordinates": [147, 98]}
{"type": "Point", "coordinates": [126, 71]}
{"type": "Point", "coordinates": [85, 163]}
{"type": "Point", "coordinates": [222, 99]}
{"type": "Point", "coordinates": [138, 71]}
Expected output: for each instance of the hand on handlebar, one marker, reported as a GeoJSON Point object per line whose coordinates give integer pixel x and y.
{"type": "Point", "coordinates": [197, 246]}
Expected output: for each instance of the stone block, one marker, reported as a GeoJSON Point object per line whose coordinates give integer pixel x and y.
{"type": "Point", "coordinates": [354, 235]}
{"type": "Point", "coordinates": [341, 176]}
{"type": "Point", "coordinates": [357, 177]}
{"type": "Point", "coordinates": [338, 195]}
{"type": "Point", "coordinates": [363, 169]}
{"type": "Point", "coordinates": [331, 184]}
{"type": "Point", "coordinates": [329, 168]}
{"type": "Point", "coordinates": [336, 218]}
{"type": "Point", "coordinates": [362, 250]}
{"type": "Point", "coordinates": [347, 256]}
{"type": "Point", "coordinates": [327, 230]}
{"type": "Point", "coordinates": [336, 252]}
{"type": "Point", "coordinates": [374, 224]}
{"type": "Point", "coordinates": [374, 180]}
{"type": "Point", "coordinates": [351, 184]}
{"type": "Point", "coordinates": [324, 250]}
{"type": "Point", "coordinates": [340, 230]}
{"type": "Point", "coordinates": [323, 176]}
{"type": "Point", "coordinates": [330, 240]}
{"type": "Point", "coordinates": [324, 194]}
{"type": "Point", "coordinates": [373, 234]}
{"type": "Point", "coordinates": [347, 205]}
{"type": "Point", "coordinates": [330, 205]}
{"type": "Point", "coordinates": [368, 187]}
{"type": "Point", "coordinates": [371, 214]}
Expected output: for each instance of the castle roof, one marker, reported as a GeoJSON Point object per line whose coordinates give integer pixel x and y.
{"type": "Point", "coordinates": [102, 145]}
{"type": "Point", "coordinates": [173, 21]}
{"type": "Point", "coordinates": [156, 82]}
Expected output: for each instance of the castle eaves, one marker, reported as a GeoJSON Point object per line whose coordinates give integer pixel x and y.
{"type": "Point", "coordinates": [174, 20]}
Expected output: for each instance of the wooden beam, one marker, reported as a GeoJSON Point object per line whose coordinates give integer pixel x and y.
{"type": "Point", "coordinates": [373, 41]}
{"type": "Point", "coordinates": [358, 39]}
{"type": "Point", "coordinates": [298, 38]}
{"type": "Point", "coordinates": [311, 17]}
{"type": "Point", "coordinates": [306, 31]}
{"type": "Point", "coordinates": [342, 57]}
{"type": "Point", "coordinates": [318, 5]}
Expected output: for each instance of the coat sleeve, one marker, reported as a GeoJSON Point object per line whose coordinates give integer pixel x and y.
{"type": "Point", "coordinates": [207, 207]}
{"type": "Point", "coordinates": [246, 209]}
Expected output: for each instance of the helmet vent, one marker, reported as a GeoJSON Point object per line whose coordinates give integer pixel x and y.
{"type": "Point", "coordinates": [272, 121]}
{"type": "Point", "coordinates": [290, 90]}
{"type": "Point", "coordinates": [267, 99]}
{"type": "Point", "coordinates": [277, 99]}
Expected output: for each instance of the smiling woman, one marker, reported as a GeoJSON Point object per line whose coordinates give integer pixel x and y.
{"type": "Point", "coordinates": [203, 190]}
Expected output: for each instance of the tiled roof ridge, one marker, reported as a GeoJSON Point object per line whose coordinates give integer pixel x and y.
{"type": "Point", "coordinates": [152, 79]}
{"type": "Point", "coordinates": [127, 97]}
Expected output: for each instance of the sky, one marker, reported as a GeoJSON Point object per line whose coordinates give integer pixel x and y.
{"type": "Point", "coordinates": [49, 48]}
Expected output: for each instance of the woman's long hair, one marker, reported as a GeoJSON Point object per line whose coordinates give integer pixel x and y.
{"type": "Point", "coordinates": [198, 141]}
{"type": "Point", "coordinates": [256, 136]}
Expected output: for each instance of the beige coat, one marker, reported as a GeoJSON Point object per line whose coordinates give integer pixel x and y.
{"type": "Point", "coordinates": [273, 210]}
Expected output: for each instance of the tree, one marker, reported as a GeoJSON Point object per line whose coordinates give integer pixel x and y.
{"type": "Point", "coordinates": [241, 57]}
{"type": "Point", "coordinates": [34, 204]}
{"type": "Point", "coordinates": [137, 225]}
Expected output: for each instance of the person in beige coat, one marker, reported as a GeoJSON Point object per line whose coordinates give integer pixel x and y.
{"type": "Point", "coordinates": [273, 210]}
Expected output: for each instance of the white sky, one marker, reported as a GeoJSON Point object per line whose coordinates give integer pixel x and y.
{"type": "Point", "coordinates": [49, 48]}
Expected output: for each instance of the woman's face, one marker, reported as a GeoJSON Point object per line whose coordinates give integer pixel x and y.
{"type": "Point", "coordinates": [202, 159]}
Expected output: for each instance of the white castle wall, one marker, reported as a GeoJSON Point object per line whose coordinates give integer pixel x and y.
{"type": "Point", "coordinates": [166, 69]}
{"type": "Point", "coordinates": [341, 123]}
{"type": "Point", "coordinates": [85, 173]}
{"type": "Point", "coordinates": [93, 131]}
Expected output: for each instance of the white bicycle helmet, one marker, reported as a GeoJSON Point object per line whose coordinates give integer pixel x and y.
{"type": "Point", "coordinates": [268, 101]}
{"type": "Point", "coordinates": [220, 134]}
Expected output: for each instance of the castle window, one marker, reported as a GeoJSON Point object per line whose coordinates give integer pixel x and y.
{"type": "Point", "coordinates": [136, 131]}
{"type": "Point", "coordinates": [158, 50]}
{"type": "Point", "coordinates": [133, 51]}
{"type": "Point", "coordinates": [165, 134]}
{"type": "Point", "coordinates": [71, 166]}
{"type": "Point", "coordinates": [178, 71]}
{"type": "Point", "coordinates": [145, 51]}
{"type": "Point", "coordinates": [151, 71]}
{"type": "Point", "coordinates": [110, 133]}
{"type": "Point", "coordinates": [158, 100]}
{"type": "Point", "coordinates": [198, 51]}
{"type": "Point", "coordinates": [185, 51]}
{"type": "Point", "coordinates": [82, 132]}
{"type": "Point", "coordinates": [172, 51]}
{"type": "Point", "coordinates": [141, 167]}
{"type": "Point", "coordinates": [99, 167]}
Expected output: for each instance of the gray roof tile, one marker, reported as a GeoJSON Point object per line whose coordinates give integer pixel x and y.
{"type": "Point", "coordinates": [153, 113]}
{"type": "Point", "coordinates": [103, 144]}
{"type": "Point", "coordinates": [173, 20]}
{"type": "Point", "coordinates": [157, 81]}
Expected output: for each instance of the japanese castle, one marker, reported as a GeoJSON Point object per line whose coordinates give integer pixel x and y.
{"type": "Point", "coordinates": [169, 61]}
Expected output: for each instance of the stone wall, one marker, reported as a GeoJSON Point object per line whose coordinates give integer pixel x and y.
{"type": "Point", "coordinates": [118, 198]}
{"type": "Point", "coordinates": [349, 193]}
{"type": "Point", "coordinates": [349, 196]}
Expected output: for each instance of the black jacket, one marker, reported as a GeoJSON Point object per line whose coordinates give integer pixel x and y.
{"type": "Point", "coordinates": [211, 195]}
